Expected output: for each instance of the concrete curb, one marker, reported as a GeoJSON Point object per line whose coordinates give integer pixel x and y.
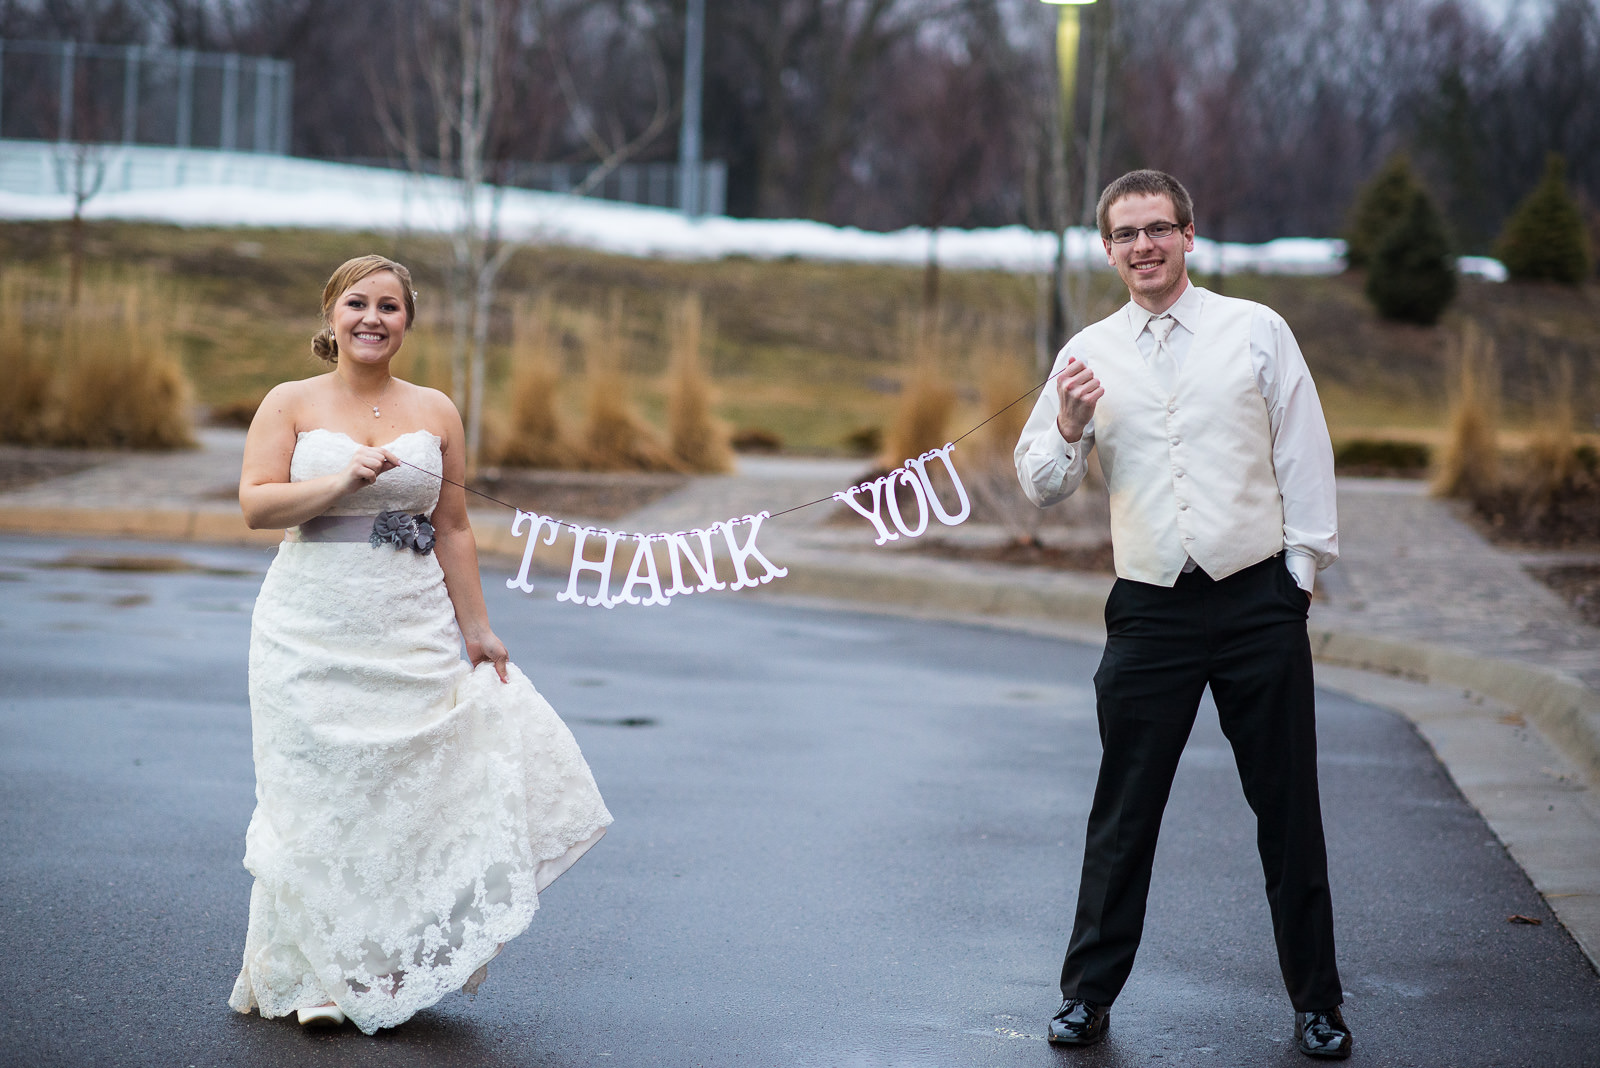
{"type": "Point", "coordinates": [1566, 710]}
{"type": "Point", "coordinates": [194, 524]}
{"type": "Point", "coordinates": [219, 526]}
{"type": "Point", "coordinates": [935, 587]}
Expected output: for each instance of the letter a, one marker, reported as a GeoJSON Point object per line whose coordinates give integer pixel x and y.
{"type": "Point", "coordinates": [643, 576]}
{"type": "Point", "coordinates": [536, 523]}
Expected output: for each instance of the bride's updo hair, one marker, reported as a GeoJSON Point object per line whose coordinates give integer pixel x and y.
{"type": "Point", "coordinates": [324, 345]}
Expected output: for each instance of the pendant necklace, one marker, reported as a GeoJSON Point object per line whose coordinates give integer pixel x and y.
{"type": "Point", "coordinates": [376, 414]}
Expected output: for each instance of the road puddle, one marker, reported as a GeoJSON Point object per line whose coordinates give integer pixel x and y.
{"type": "Point", "coordinates": [153, 565]}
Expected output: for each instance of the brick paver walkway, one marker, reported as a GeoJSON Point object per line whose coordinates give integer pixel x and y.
{"type": "Point", "coordinates": [1411, 567]}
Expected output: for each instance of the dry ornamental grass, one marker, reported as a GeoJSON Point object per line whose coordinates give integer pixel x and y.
{"type": "Point", "coordinates": [1548, 493]}
{"type": "Point", "coordinates": [615, 437]}
{"type": "Point", "coordinates": [1471, 462]}
{"type": "Point", "coordinates": [536, 436]}
{"type": "Point", "coordinates": [98, 374]}
{"type": "Point", "coordinates": [698, 438]}
{"type": "Point", "coordinates": [927, 400]}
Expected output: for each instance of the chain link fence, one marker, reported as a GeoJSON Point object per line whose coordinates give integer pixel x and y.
{"type": "Point", "coordinates": [103, 106]}
{"type": "Point", "coordinates": [65, 91]}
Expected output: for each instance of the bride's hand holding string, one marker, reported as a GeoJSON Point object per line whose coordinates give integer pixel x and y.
{"type": "Point", "coordinates": [366, 464]}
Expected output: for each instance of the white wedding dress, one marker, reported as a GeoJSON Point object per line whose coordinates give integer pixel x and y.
{"type": "Point", "coordinates": [409, 809]}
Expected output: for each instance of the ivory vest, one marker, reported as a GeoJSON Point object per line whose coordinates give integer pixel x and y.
{"type": "Point", "coordinates": [1190, 473]}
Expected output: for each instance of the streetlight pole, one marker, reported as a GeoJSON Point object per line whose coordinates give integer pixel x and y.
{"type": "Point", "coordinates": [694, 55]}
{"type": "Point", "coordinates": [1068, 31]}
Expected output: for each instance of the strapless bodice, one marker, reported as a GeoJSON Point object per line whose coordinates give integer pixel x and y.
{"type": "Point", "coordinates": [325, 452]}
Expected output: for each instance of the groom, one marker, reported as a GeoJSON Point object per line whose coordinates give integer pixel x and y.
{"type": "Point", "coordinates": [1222, 511]}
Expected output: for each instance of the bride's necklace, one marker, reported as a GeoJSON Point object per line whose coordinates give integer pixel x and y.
{"type": "Point", "coordinates": [376, 414]}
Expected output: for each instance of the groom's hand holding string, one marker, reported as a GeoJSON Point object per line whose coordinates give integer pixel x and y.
{"type": "Point", "coordinates": [1078, 391]}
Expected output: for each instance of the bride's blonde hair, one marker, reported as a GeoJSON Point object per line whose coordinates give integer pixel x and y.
{"type": "Point", "coordinates": [324, 345]}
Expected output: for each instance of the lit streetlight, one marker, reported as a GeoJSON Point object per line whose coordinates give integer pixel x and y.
{"type": "Point", "coordinates": [1068, 30]}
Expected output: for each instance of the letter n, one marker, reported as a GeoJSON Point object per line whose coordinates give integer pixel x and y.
{"type": "Point", "coordinates": [678, 549]}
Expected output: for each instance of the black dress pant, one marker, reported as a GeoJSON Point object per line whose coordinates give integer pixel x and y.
{"type": "Point", "coordinates": [1246, 636]}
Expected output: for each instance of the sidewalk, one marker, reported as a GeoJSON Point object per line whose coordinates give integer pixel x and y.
{"type": "Point", "coordinates": [1420, 615]}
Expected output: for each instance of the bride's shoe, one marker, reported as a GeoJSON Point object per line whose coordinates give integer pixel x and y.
{"type": "Point", "coordinates": [470, 987]}
{"type": "Point", "coordinates": [321, 1016]}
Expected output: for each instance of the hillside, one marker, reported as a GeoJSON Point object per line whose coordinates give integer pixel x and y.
{"type": "Point", "coordinates": [812, 352]}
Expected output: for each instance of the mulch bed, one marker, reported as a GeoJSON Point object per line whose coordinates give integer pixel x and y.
{"type": "Point", "coordinates": [24, 465]}
{"type": "Point", "coordinates": [1568, 518]}
{"type": "Point", "coordinates": [1537, 506]}
{"type": "Point", "coordinates": [1578, 584]}
{"type": "Point", "coordinates": [591, 495]}
{"type": "Point", "coordinates": [1023, 554]}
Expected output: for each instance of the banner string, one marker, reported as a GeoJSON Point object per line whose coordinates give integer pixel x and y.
{"type": "Point", "coordinates": [820, 500]}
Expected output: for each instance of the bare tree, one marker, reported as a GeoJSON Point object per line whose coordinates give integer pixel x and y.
{"type": "Point", "coordinates": [769, 37]}
{"type": "Point", "coordinates": [1275, 113]}
{"type": "Point", "coordinates": [80, 173]}
{"type": "Point", "coordinates": [951, 157]}
{"type": "Point", "coordinates": [607, 132]}
{"type": "Point", "coordinates": [854, 39]}
{"type": "Point", "coordinates": [468, 58]}
{"type": "Point", "coordinates": [458, 57]}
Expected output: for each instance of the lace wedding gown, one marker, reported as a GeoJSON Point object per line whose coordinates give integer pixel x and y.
{"type": "Point", "coordinates": [409, 809]}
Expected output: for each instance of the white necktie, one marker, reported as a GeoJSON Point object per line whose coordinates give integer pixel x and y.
{"type": "Point", "coordinates": [1162, 364]}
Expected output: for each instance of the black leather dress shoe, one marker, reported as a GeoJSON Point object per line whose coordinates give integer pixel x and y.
{"type": "Point", "coordinates": [1322, 1034]}
{"type": "Point", "coordinates": [1079, 1023]}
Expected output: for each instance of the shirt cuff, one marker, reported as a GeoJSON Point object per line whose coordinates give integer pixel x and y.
{"type": "Point", "coordinates": [1061, 454]}
{"type": "Point", "coordinates": [1302, 568]}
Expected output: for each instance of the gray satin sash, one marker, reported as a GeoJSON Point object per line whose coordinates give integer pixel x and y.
{"type": "Point", "coordinates": [336, 528]}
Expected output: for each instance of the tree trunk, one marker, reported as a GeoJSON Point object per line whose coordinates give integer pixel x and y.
{"type": "Point", "coordinates": [930, 276]}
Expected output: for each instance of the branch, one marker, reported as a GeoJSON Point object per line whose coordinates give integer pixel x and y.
{"type": "Point", "coordinates": [664, 115]}
{"type": "Point", "coordinates": [611, 155]}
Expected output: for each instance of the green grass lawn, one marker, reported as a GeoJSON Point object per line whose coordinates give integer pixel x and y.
{"type": "Point", "coordinates": [810, 351]}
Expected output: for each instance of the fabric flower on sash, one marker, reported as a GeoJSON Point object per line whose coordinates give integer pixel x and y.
{"type": "Point", "coordinates": [403, 531]}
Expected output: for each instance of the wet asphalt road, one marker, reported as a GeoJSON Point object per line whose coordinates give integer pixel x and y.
{"type": "Point", "coordinates": [841, 840]}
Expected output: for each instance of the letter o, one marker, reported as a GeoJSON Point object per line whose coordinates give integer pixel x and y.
{"type": "Point", "coordinates": [909, 478]}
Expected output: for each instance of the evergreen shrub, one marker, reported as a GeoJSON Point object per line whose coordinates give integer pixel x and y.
{"type": "Point", "coordinates": [1382, 457]}
{"type": "Point", "coordinates": [1412, 278]}
{"type": "Point", "coordinates": [1546, 238]}
{"type": "Point", "coordinates": [1379, 205]}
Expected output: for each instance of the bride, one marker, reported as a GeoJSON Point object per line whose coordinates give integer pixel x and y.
{"type": "Point", "coordinates": [409, 805]}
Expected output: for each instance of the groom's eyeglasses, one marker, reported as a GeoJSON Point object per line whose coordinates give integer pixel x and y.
{"type": "Point", "coordinates": [1124, 235]}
